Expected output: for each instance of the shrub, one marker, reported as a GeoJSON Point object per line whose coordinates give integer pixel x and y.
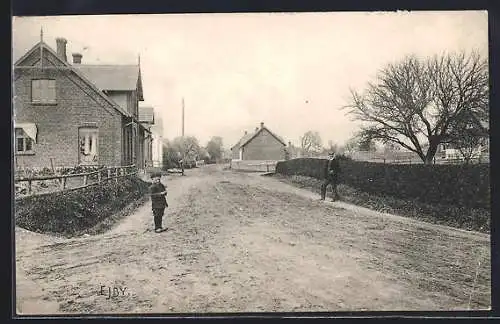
{"type": "Point", "coordinates": [458, 185]}
{"type": "Point", "coordinates": [70, 212]}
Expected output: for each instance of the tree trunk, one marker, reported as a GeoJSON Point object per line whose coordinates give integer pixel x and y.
{"type": "Point", "coordinates": [431, 152]}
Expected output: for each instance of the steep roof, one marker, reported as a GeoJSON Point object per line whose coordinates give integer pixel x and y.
{"type": "Point", "coordinates": [65, 65]}
{"type": "Point", "coordinates": [146, 115]}
{"type": "Point", "coordinates": [112, 77]}
{"type": "Point", "coordinates": [249, 136]}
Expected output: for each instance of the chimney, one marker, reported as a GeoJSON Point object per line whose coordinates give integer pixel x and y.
{"type": "Point", "coordinates": [61, 48]}
{"type": "Point", "coordinates": [262, 125]}
{"type": "Point", "coordinates": [290, 143]}
{"type": "Point", "coordinates": [77, 58]}
{"type": "Point", "coordinates": [256, 128]}
{"type": "Point", "coordinates": [246, 132]}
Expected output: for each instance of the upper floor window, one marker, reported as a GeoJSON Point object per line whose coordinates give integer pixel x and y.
{"type": "Point", "coordinates": [43, 91]}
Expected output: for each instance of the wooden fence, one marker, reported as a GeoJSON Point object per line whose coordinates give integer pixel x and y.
{"type": "Point", "coordinates": [63, 181]}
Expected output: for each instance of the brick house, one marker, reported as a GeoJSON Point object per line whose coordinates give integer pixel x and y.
{"type": "Point", "coordinates": [262, 144]}
{"type": "Point", "coordinates": [75, 114]}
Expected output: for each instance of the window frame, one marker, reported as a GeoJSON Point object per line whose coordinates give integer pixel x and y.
{"type": "Point", "coordinates": [41, 101]}
{"type": "Point", "coordinates": [25, 139]}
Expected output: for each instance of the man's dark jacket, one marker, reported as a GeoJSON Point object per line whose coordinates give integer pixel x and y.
{"type": "Point", "coordinates": [332, 169]}
{"type": "Point", "coordinates": [157, 201]}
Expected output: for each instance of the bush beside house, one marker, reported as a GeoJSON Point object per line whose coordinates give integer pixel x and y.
{"type": "Point", "coordinates": [72, 213]}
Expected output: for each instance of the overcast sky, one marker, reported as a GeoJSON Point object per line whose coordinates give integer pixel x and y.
{"type": "Point", "coordinates": [291, 71]}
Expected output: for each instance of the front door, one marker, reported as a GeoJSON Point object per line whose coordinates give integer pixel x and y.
{"type": "Point", "coordinates": [88, 138]}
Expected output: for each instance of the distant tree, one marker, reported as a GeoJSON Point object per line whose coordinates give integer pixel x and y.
{"type": "Point", "coordinates": [414, 103]}
{"type": "Point", "coordinates": [171, 155]}
{"type": "Point", "coordinates": [390, 150]}
{"type": "Point", "coordinates": [366, 143]}
{"type": "Point", "coordinates": [311, 143]}
{"type": "Point", "coordinates": [350, 146]}
{"type": "Point", "coordinates": [215, 148]}
{"type": "Point", "coordinates": [173, 151]}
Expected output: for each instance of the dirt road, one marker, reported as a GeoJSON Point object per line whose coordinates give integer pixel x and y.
{"type": "Point", "coordinates": [240, 242]}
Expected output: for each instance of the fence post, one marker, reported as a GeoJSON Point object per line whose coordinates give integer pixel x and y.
{"type": "Point", "coordinates": [99, 176]}
{"type": "Point", "coordinates": [63, 183]}
{"type": "Point", "coordinates": [117, 175]}
{"type": "Point", "coordinates": [267, 165]}
{"type": "Point", "coordinates": [109, 172]}
{"type": "Point", "coordinates": [85, 180]}
{"type": "Point", "coordinates": [29, 187]}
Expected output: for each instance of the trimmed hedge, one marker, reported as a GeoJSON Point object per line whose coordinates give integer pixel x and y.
{"type": "Point", "coordinates": [465, 186]}
{"type": "Point", "coordinates": [69, 213]}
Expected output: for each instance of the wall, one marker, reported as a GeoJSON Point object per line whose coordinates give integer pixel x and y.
{"type": "Point", "coordinates": [77, 105]}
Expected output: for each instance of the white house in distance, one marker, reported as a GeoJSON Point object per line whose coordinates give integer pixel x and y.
{"type": "Point", "coordinates": [157, 135]}
{"type": "Point", "coordinates": [153, 122]}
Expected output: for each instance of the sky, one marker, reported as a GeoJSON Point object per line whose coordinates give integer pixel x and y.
{"type": "Point", "coordinates": [292, 71]}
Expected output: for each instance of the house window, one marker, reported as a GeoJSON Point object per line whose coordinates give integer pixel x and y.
{"type": "Point", "coordinates": [24, 143]}
{"type": "Point", "coordinates": [88, 138]}
{"type": "Point", "coordinates": [43, 91]}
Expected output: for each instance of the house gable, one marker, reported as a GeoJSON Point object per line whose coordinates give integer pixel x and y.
{"type": "Point", "coordinates": [249, 139]}
{"type": "Point", "coordinates": [41, 53]}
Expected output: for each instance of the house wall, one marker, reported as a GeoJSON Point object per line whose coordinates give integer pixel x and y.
{"type": "Point", "coordinates": [264, 147]}
{"type": "Point", "coordinates": [77, 106]}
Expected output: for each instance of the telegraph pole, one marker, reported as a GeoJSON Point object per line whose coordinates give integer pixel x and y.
{"type": "Point", "coordinates": [183, 146]}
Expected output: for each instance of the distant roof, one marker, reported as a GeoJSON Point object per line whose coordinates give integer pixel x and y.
{"type": "Point", "coordinates": [111, 77]}
{"type": "Point", "coordinates": [249, 136]}
{"type": "Point", "coordinates": [146, 115]}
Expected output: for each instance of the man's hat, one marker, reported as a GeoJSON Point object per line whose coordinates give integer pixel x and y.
{"type": "Point", "coordinates": [155, 175]}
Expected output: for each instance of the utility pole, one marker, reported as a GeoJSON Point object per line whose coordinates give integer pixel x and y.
{"type": "Point", "coordinates": [183, 145]}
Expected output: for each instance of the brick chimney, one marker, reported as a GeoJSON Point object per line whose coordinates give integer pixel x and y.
{"type": "Point", "coordinates": [262, 125]}
{"type": "Point", "coordinates": [77, 58]}
{"type": "Point", "coordinates": [61, 48]}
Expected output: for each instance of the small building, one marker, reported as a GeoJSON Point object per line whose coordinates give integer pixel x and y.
{"type": "Point", "coordinates": [74, 114]}
{"type": "Point", "coordinates": [147, 119]}
{"type": "Point", "coordinates": [157, 144]}
{"type": "Point", "coordinates": [261, 144]}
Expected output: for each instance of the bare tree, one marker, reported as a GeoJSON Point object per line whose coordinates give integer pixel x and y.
{"type": "Point", "coordinates": [350, 146]}
{"type": "Point", "coordinates": [414, 103]}
{"type": "Point", "coordinates": [468, 135]}
{"type": "Point", "coordinates": [311, 143]}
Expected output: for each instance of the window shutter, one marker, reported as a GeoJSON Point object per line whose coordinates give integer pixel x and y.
{"type": "Point", "coordinates": [51, 90]}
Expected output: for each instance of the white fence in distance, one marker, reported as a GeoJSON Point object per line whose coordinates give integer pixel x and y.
{"type": "Point", "coordinates": [253, 165]}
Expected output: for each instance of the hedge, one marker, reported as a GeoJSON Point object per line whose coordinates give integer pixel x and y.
{"type": "Point", "coordinates": [70, 213]}
{"type": "Point", "coordinates": [457, 185]}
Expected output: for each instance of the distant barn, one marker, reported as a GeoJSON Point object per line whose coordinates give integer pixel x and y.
{"type": "Point", "coordinates": [262, 144]}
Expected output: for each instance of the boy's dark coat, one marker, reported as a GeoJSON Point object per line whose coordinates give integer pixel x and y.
{"type": "Point", "coordinates": [157, 201]}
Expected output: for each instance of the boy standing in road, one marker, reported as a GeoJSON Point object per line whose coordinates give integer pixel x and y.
{"type": "Point", "coordinates": [158, 200]}
{"type": "Point", "coordinates": [332, 170]}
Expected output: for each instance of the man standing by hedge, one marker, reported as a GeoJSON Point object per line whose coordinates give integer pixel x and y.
{"type": "Point", "coordinates": [331, 174]}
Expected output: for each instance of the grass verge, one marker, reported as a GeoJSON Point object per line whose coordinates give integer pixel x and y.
{"type": "Point", "coordinates": [458, 217]}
